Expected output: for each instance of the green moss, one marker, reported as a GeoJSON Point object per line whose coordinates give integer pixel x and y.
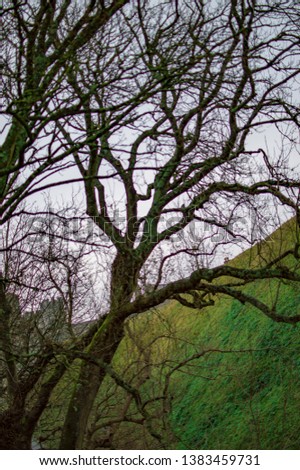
{"type": "Point", "coordinates": [248, 398]}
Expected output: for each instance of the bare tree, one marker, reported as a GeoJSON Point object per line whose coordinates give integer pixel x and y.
{"type": "Point", "coordinates": [161, 108]}
{"type": "Point", "coordinates": [185, 155]}
{"type": "Point", "coordinates": [43, 296]}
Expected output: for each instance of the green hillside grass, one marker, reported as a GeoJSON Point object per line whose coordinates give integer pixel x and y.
{"type": "Point", "coordinates": [245, 398]}
{"type": "Point", "coordinates": [243, 394]}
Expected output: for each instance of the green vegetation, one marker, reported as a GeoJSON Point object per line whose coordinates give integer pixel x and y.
{"type": "Point", "coordinates": [243, 399]}
{"type": "Point", "coordinates": [242, 393]}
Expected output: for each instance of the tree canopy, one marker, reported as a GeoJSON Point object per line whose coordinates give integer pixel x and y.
{"type": "Point", "coordinates": [179, 122]}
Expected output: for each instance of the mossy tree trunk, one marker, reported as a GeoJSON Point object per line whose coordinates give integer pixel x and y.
{"type": "Point", "coordinates": [102, 348]}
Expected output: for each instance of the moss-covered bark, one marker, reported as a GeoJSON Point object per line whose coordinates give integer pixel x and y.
{"type": "Point", "coordinates": [102, 347]}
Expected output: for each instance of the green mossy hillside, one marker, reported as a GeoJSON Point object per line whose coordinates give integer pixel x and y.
{"type": "Point", "coordinates": [243, 393]}
{"type": "Point", "coordinates": [224, 377]}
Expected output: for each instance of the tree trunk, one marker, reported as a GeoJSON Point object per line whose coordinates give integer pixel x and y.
{"type": "Point", "coordinates": [102, 348]}
{"type": "Point", "coordinates": [14, 435]}
{"type": "Point", "coordinates": [91, 376]}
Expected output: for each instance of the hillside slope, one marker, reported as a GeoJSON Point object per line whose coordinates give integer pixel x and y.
{"type": "Point", "coordinates": [243, 394]}
{"type": "Point", "coordinates": [225, 377]}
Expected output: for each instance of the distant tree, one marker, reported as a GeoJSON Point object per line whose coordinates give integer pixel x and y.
{"type": "Point", "coordinates": [161, 107]}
